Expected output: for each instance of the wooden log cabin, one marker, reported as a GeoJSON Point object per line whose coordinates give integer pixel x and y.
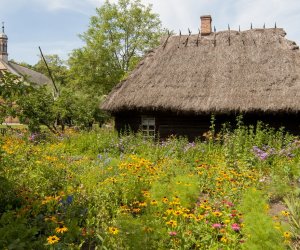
{"type": "Point", "coordinates": [178, 86]}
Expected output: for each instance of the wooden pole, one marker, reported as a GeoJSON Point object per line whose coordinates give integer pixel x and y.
{"type": "Point", "coordinates": [49, 71]}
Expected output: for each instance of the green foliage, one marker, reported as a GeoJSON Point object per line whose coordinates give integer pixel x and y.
{"type": "Point", "coordinates": [11, 88]}
{"type": "Point", "coordinates": [118, 36]}
{"type": "Point", "coordinates": [258, 225]}
{"type": "Point", "coordinates": [37, 108]}
{"type": "Point", "coordinates": [187, 188]}
{"type": "Point", "coordinates": [16, 233]}
{"type": "Point", "coordinates": [80, 109]}
{"type": "Point", "coordinates": [111, 192]}
{"type": "Point", "coordinates": [293, 204]}
{"type": "Point", "coordinates": [57, 67]}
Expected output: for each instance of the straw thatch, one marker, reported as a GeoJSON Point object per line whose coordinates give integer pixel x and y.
{"type": "Point", "coordinates": [227, 71]}
{"type": "Point", "coordinates": [29, 74]}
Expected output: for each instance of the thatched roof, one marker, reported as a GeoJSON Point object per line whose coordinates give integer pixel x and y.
{"type": "Point", "coordinates": [29, 74]}
{"type": "Point", "coordinates": [254, 70]}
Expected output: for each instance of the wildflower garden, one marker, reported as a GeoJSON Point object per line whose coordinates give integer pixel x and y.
{"type": "Point", "coordinates": [96, 190]}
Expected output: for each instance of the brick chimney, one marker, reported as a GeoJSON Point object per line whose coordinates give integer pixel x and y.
{"type": "Point", "coordinates": [205, 25]}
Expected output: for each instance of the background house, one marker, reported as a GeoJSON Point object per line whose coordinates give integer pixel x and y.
{"type": "Point", "coordinates": [177, 86]}
{"type": "Point", "coordinates": [14, 68]}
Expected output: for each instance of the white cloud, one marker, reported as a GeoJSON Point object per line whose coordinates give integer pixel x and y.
{"type": "Point", "coordinates": [178, 14]}
{"type": "Point", "coordinates": [175, 15]}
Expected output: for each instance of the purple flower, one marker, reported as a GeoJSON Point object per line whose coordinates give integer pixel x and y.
{"type": "Point", "coordinates": [261, 154]}
{"type": "Point", "coordinates": [189, 146]}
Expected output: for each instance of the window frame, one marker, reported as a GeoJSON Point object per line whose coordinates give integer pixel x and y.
{"type": "Point", "coordinates": [148, 126]}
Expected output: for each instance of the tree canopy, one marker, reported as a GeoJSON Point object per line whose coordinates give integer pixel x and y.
{"type": "Point", "coordinates": [57, 66]}
{"type": "Point", "coordinates": [118, 36]}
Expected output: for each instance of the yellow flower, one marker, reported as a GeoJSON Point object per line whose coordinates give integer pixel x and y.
{"type": "Point", "coordinates": [153, 202]}
{"type": "Point", "coordinates": [61, 229]}
{"type": "Point", "coordinates": [146, 193]}
{"type": "Point", "coordinates": [142, 204]}
{"type": "Point", "coordinates": [52, 239]}
{"type": "Point", "coordinates": [189, 216]}
{"type": "Point", "coordinates": [224, 239]}
{"type": "Point", "coordinates": [113, 230]}
{"type": "Point", "coordinates": [199, 217]}
{"type": "Point", "coordinates": [267, 207]}
{"type": "Point", "coordinates": [51, 218]}
{"type": "Point", "coordinates": [165, 200]}
{"type": "Point", "coordinates": [287, 235]}
{"type": "Point", "coordinates": [285, 213]}
{"type": "Point", "coordinates": [172, 223]}
{"type": "Point", "coordinates": [185, 210]}
{"type": "Point", "coordinates": [169, 211]}
{"type": "Point", "coordinates": [177, 212]}
{"type": "Point", "coordinates": [47, 199]}
{"type": "Point", "coordinates": [217, 213]}
{"type": "Point", "coordinates": [136, 210]}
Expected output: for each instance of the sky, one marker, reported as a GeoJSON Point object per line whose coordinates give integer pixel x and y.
{"type": "Point", "coordinates": [55, 25]}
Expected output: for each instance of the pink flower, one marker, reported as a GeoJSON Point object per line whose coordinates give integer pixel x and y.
{"type": "Point", "coordinates": [216, 225]}
{"type": "Point", "coordinates": [173, 233]}
{"type": "Point", "coordinates": [235, 227]}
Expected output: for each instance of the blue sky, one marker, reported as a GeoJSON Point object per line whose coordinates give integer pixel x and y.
{"type": "Point", "coordinates": [55, 24]}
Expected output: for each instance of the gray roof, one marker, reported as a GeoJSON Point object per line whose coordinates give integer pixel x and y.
{"type": "Point", "coordinates": [29, 74]}
{"type": "Point", "coordinates": [227, 71]}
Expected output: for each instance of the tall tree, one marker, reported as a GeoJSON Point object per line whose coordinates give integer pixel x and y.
{"type": "Point", "coordinates": [57, 66]}
{"type": "Point", "coordinates": [118, 36]}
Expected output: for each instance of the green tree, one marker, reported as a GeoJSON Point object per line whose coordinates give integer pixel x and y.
{"type": "Point", "coordinates": [11, 88]}
{"type": "Point", "coordinates": [57, 66]}
{"type": "Point", "coordinates": [118, 36]}
{"type": "Point", "coordinates": [79, 109]}
{"type": "Point", "coordinates": [38, 108]}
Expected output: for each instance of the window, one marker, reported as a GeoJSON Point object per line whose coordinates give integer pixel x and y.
{"type": "Point", "coordinates": [148, 126]}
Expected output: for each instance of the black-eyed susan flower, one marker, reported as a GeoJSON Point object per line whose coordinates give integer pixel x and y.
{"type": "Point", "coordinates": [169, 211]}
{"type": "Point", "coordinates": [52, 239]}
{"type": "Point", "coordinates": [165, 200]}
{"type": "Point", "coordinates": [224, 239]}
{"type": "Point", "coordinates": [189, 216]}
{"type": "Point", "coordinates": [285, 213]}
{"type": "Point", "coordinates": [199, 217]}
{"type": "Point", "coordinates": [142, 204]}
{"type": "Point", "coordinates": [136, 210]}
{"type": "Point", "coordinates": [47, 199]}
{"type": "Point", "coordinates": [61, 229]}
{"type": "Point", "coordinates": [153, 202]}
{"type": "Point", "coordinates": [146, 193]}
{"type": "Point", "coordinates": [217, 214]}
{"type": "Point", "coordinates": [172, 223]}
{"type": "Point", "coordinates": [287, 235]}
{"type": "Point", "coordinates": [177, 212]}
{"type": "Point", "coordinates": [113, 230]}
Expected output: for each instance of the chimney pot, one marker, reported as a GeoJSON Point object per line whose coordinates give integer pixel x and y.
{"type": "Point", "coordinates": [206, 25]}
